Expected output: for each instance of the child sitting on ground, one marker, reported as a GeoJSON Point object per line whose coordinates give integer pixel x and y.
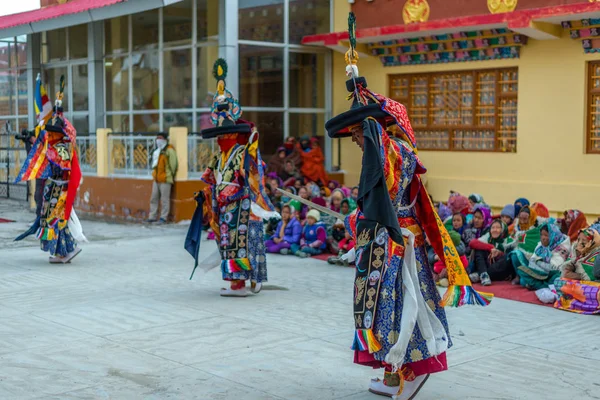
{"type": "Point", "coordinates": [345, 245]}
{"type": "Point", "coordinates": [439, 267]}
{"type": "Point", "coordinates": [287, 233]}
{"type": "Point", "coordinates": [314, 236]}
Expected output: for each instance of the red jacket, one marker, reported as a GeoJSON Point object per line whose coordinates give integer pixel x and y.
{"type": "Point", "coordinates": [477, 244]}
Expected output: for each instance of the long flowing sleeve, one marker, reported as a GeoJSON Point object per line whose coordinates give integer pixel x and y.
{"type": "Point", "coordinates": [208, 176]}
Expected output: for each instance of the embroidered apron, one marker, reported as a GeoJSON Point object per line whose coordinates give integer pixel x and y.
{"type": "Point", "coordinates": [371, 258]}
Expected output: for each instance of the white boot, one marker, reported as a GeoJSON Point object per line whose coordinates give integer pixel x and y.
{"type": "Point", "coordinates": [229, 292]}
{"type": "Point", "coordinates": [378, 387]}
{"type": "Point", "coordinates": [255, 287]}
{"type": "Point", "coordinates": [411, 388]}
{"type": "Point", "coordinates": [71, 255]}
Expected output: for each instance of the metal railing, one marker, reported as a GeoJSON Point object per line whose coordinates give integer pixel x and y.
{"type": "Point", "coordinates": [87, 147]}
{"type": "Point", "coordinates": [200, 153]}
{"type": "Point", "coordinates": [130, 154]}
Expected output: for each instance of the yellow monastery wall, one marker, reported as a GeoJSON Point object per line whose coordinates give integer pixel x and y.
{"type": "Point", "coordinates": [550, 165]}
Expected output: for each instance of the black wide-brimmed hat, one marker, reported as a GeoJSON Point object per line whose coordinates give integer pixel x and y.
{"type": "Point", "coordinates": [226, 109]}
{"type": "Point", "coordinates": [339, 126]}
{"type": "Point", "coordinates": [211, 133]}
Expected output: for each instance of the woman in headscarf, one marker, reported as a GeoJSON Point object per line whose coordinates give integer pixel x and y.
{"type": "Point", "coordinates": [346, 191]}
{"type": "Point", "coordinates": [527, 219]}
{"type": "Point", "coordinates": [313, 160]}
{"type": "Point", "coordinates": [541, 210]}
{"type": "Point", "coordinates": [348, 206]}
{"type": "Point", "coordinates": [313, 190]}
{"type": "Point", "coordinates": [458, 204]}
{"type": "Point", "coordinates": [489, 255]}
{"type": "Point", "coordinates": [333, 184]}
{"type": "Point", "coordinates": [520, 203]}
{"type": "Point", "coordinates": [482, 218]}
{"type": "Point", "coordinates": [292, 153]}
{"type": "Point", "coordinates": [277, 162]}
{"type": "Point", "coordinates": [476, 199]}
{"type": "Point", "coordinates": [544, 265]}
{"type": "Point", "coordinates": [459, 223]}
{"type": "Point", "coordinates": [587, 249]}
{"type": "Point", "coordinates": [444, 211]}
{"type": "Point", "coordinates": [573, 223]}
{"type": "Point", "coordinates": [527, 234]}
{"type": "Point", "coordinates": [354, 193]}
{"type": "Point", "coordinates": [336, 200]}
{"type": "Point", "coordinates": [579, 288]}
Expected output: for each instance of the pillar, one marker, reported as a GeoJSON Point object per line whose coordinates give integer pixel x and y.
{"type": "Point", "coordinates": [178, 138]}
{"type": "Point", "coordinates": [228, 42]}
{"type": "Point", "coordinates": [102, 152]}
{"type": "Point", "coordinates": [95, 75]}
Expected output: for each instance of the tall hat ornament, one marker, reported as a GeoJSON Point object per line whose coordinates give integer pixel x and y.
{"type": "Point", "coordinates": [57, 122]}
{"type": "Point", "coordinates": [364, 103]}
{"type": "Point", "coordinates": [225, 110]}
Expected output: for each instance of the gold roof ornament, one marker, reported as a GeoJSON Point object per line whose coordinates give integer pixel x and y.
{"type": "Point", "coordinates": [415, 11]}
{"type": "Point", "coordinates": [501, 6]}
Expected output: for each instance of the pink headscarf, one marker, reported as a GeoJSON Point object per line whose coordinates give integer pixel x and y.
{"type": "Point", "coordinates": [459, 204]}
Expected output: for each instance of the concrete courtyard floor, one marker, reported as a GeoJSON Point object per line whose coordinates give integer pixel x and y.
{"type": "Point", "coordinates": [124, 322]}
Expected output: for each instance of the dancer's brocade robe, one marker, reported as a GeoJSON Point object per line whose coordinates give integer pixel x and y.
{"type": "Point", "coordinates": [236, 178]}
{"type": "Point", "coordinates": [379, 290]}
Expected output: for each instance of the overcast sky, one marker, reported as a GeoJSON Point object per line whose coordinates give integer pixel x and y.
{"type": "Point", "coordinates": [9, 7]}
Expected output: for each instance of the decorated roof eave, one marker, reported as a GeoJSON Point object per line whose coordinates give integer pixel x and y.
{"type": "Point", "coordinates": [540, 24]}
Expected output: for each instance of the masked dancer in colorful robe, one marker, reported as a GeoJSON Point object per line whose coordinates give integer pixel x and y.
{"type": "Point", "coordinates": [239, 201]}
{"type": "Point", "coordinates": [400, 323]}
{"type": "Point", "coordinates": [53, 157]}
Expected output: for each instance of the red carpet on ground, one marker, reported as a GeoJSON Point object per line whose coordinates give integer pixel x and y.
{"type": "Point", "coordinates": [506, 290]}
{"type": "Point", "coordinates": [323, 257]}
{"type": "Point", "coordinates": [503, 290]}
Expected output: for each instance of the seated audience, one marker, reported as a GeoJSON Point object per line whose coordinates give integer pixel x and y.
{"type": "Point", "coordinates": [459, 223]}
{"type": "Point", "coordinates": [573, 223]}
{"type": "Point", "coordinates": [277, 162]}
{"type": "Point", "coordinates": [520, 203]}
{"type": "Point", "coordinates": [314, 236]}
{"type": "Point", "coordinates": [481, 221]}
{"type": "Point", "coordinates": [508, 216]}
{"type": "Point", "coordinates": [313, 190]}
{"type": "Point", "coordinates": [336, 200]}
{"type": "Point", "coordinates": [587, 250]}
{"type": "Point", "coordinates": [287, 233]}
{"type": "Point", "coordinates": [298, 183]}
{"type": "Point", "coordinates": [527, 234]}
{"type": "Point", "coordinates": [540, 210]}
{"type": "Point", "coordinates": [527, 220]}
{"type": "Point", "coordinates": [289, 173]}
{"type": "Point", "coordinates": [490, 261]}
{"type": "Point", "coordinates": [313, 160]}
{"type": "Point", "coordinates": [476, 200]}
{"type": "Point", "coordinates": [459, 204]}
{"type": "Point", "coordinates": [545, 263]}
{"type": "Point", "coordinates": [354, 193]}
